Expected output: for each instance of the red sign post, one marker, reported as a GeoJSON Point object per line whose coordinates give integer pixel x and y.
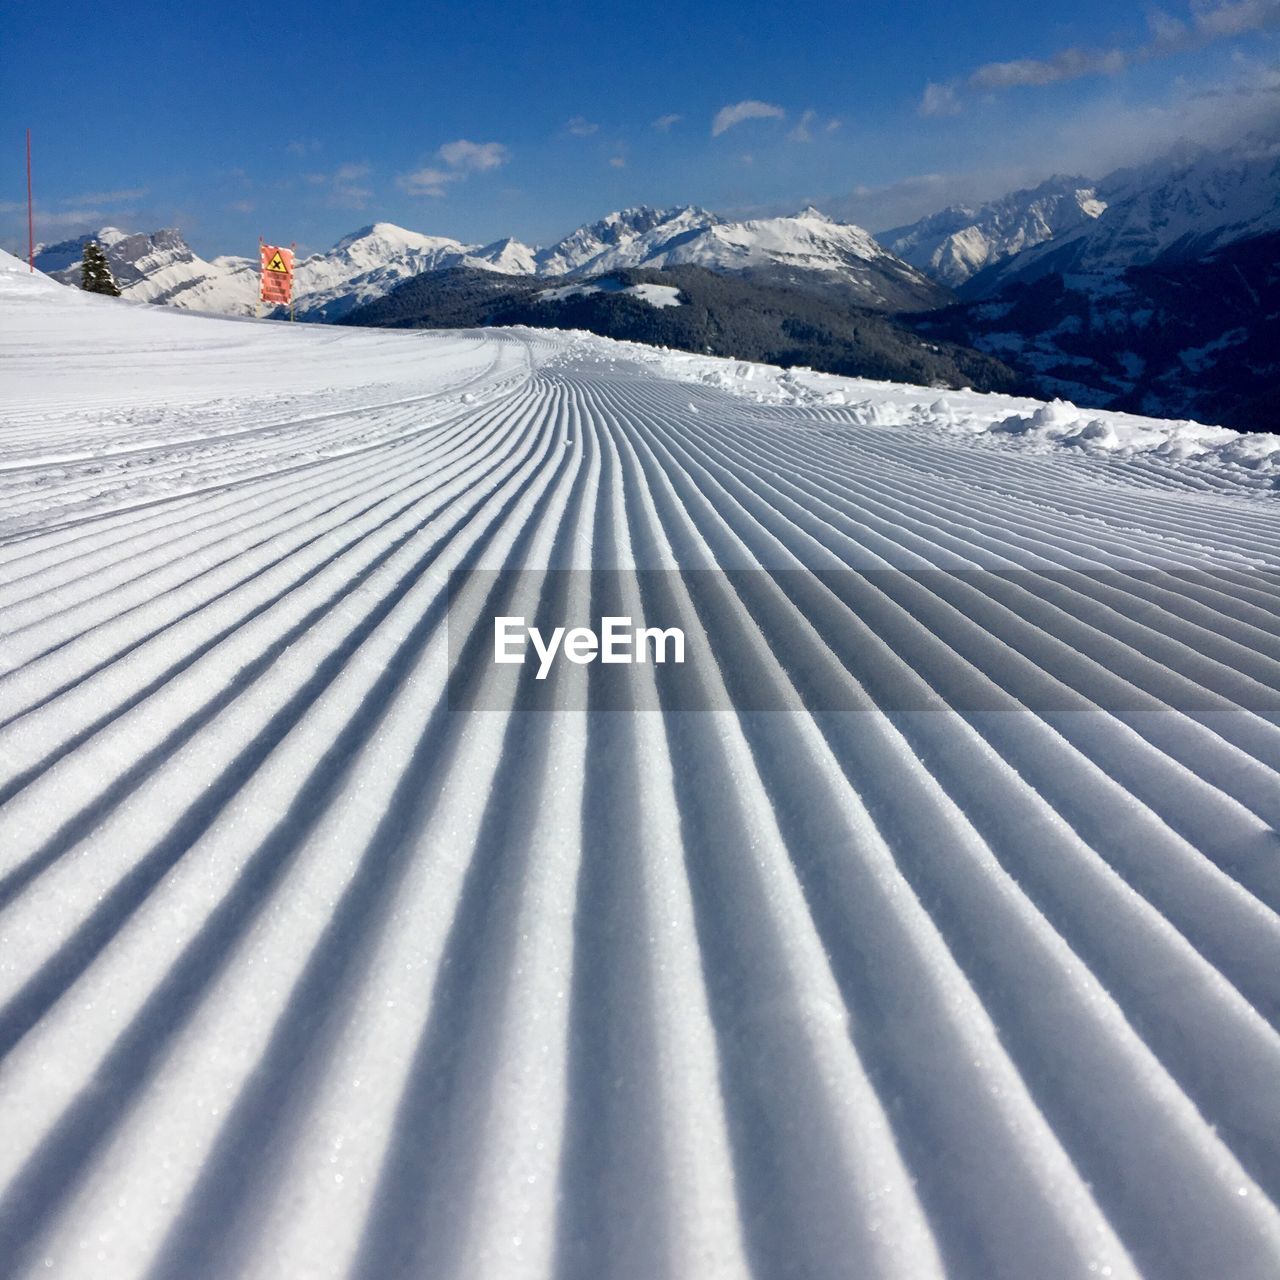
{"type": "Point", "coordinates": [277, 274]}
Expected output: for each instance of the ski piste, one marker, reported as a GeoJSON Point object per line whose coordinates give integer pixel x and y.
{"type": "Point", "coordinates": [308, 974]}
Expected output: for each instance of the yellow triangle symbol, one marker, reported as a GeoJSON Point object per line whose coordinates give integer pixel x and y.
{"type": "Point", "coordinates": [277, 263]}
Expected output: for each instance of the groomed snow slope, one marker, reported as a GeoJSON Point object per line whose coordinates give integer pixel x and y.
{"type": "Point", "coordinates": [304, 974]}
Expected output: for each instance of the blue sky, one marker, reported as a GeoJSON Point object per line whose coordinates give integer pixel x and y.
{"type": "Point", "coordinates": [305, 121]}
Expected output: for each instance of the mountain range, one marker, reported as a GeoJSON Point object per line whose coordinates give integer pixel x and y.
{"type": "Point", "coordinates": [807, 249]}
{"type": "Point", "coordinates": [1148, 287]}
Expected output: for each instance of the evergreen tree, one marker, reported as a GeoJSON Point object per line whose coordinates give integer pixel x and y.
{"type": "Point", "coordinates": [95, 272]}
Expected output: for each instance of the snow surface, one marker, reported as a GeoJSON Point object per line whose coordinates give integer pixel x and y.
{"type": "Point", "coordinates": [305, 974]}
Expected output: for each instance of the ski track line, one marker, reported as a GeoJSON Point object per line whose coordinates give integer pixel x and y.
{"type": "Point", "coordinates": [304, 972]}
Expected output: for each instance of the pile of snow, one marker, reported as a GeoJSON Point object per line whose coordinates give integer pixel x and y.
{"type": "Point", "coordinates": [1007, 421]}
{"type": "Point", "coordinates": [656, 295]}
{"type": "Point", "coordinates": [18, 279]}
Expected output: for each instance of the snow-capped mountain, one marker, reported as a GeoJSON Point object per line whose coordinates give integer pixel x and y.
{"type": "Point", "coordinates": [1175, 209]}
{"type": "Point", "coordinates": [372, 261]}
{"type": "Point", "coordinates": [807, 249]}
{"type": "Point", "coordinates": [508, 256]}
{"type": "Point", "coordinates": [160, 267]}
{"type": "Point", "coordinates": [1166, 303]}
{"type": "Point", "coordinates": [627, 238]}
{"type": "Point", "coordinates": [961, 240]}
{"type": "Point", "coordinates": [365, 265]}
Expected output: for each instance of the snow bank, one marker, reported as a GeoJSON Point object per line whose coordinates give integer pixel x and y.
{"type": "Point", "coordinates": [656, 295]}
{"type": "Point", "coordinates": [997, 420]}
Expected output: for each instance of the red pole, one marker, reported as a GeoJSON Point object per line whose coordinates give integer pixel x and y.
{"type": "Point", "coordinates": [31, 225]}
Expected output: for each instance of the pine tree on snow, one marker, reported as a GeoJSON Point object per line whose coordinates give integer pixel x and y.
{"type": "Point", "coordinates": [95, 272]}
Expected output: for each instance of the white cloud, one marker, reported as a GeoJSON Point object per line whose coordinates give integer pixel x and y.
{"type": "Point", "coordinates": [302, 147]}
{"type": "Point", "coordinates": [748, 109]}
{"type": "Point", "coordinates": [581, 127]}
{"type": "Point", "coordinates": [618, 162]}
{"type": "Point", "coordinates": [460, 159]}
{"type": "Point", "coordinates": [474, 155]}
{"type": "Point", "coordinates": [664, 123]}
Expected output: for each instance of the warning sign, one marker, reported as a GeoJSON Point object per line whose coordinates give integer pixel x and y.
{"type": "Point", "coordinates": [277, 274]}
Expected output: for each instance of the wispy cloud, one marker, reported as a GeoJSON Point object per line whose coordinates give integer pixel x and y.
{"type": "Point", "coordinates": [1232, 18]}
{"type": "Point", "coordinates": [900, 201]}
{"type": "Point", "coordinates": [459, 159]}
{"type": "Point", "coordinates": [345, 190]}
{"type": "Point", "coordinates": [1206, 22]}
{"type": "Point", "coordinates": [808, 123]}
{"type": "Point", "coordinates": [59, 220]}
{"type": "Point", "coordinates": [803, 132]}
{"type": "Point", "coordinates": [1069, 64]}
{"type": "Point", "coordinates": [618, 162]}
{"type": "Point", "coordinates": [664, 123]}
{"type": "Point", "coordinates": [748, 109]}
{"type": "Point", "coordinates": [427, 181]}
{"type": "Point", "coordinates": [106, 197]}
{"type": "Point", "coordinates": [939, 100]}
{"type": "Point", "coordinates": [581, 127]}
{"type": "Point", "coordinates": [302, 147]}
